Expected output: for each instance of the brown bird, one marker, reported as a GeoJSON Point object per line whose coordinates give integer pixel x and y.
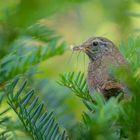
{"type": "Point", "coordinates": [103, 54]}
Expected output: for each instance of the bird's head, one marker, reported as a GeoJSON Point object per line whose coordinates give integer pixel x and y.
{"type": "Point", "coordinates": [95, 47]}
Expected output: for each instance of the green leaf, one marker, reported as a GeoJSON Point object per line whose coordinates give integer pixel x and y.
{"type": "Point", "coordinates": [41, 125]}
{"type": "Point", "coordinates": [77, 83]}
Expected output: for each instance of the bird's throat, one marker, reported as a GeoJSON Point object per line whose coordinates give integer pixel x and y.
{"type": "Point", "coordinates": [93, 56]}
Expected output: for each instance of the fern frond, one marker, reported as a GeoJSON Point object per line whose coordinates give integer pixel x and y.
{"type": "Point", "coordinates": [14, 64]}
{"type": "Point", "coordinates": [102, 118]}
{"type": "Point", "coordinates": [77, 83]}
{"type": "Point", "coordinates": [37, 44]}
{"type": "Point", "coordinates": [41, 32]}
{"type": "Point", "coordinates": [131, 51]}
{"type": "Point", "coordinates": [5, 132]}
{"type": "Point", "coordinates": [3, 135]}
{"type": "Point", "coordinates": [40, 124]}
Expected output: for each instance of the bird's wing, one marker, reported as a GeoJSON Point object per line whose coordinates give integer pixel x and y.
{"type": "Point", "coordinates": [111, 85]}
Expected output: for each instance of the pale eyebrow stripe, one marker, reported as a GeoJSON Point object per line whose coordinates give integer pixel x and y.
{"type": "Point", "coordinates": [103, 42]}
{"type": "Point", "coordinates": [100, 41]}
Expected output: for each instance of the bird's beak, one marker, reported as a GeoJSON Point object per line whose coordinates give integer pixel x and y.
{"type": "Point", "coordinates": [79, 48]}
{"type": "Point", "coordinates": [84, 48]}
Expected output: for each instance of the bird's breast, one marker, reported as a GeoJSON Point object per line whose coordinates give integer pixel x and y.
{"type": "Point", "coordinates": [97, 75]}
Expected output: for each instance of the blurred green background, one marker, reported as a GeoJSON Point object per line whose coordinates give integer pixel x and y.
{"type": "Point", "coordinates": [74, 21]}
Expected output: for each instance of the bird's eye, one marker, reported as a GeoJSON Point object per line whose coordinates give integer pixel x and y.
{"type": "Point", "coordinates": [95, 43]}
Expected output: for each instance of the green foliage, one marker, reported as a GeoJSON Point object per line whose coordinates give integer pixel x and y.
{"type": "Point", "coordinates": [30, 50]}
{"type": "Point", "coordinates": [4, 134]}
{"type": "Point", "coordinates": [77, 83]}
{"type": "Point", "coordinates": [101, 120]}
{"type": "Point", "coordinates": [130, 117]}
{"type": "Point", "coordinates": [56, 101]}
{"type": "Point", "coordinates": [39, 123]}
{"type": "Point", "coordinates": [131, 51]}
{"type": "Point", "coordinates": [25, 42]}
